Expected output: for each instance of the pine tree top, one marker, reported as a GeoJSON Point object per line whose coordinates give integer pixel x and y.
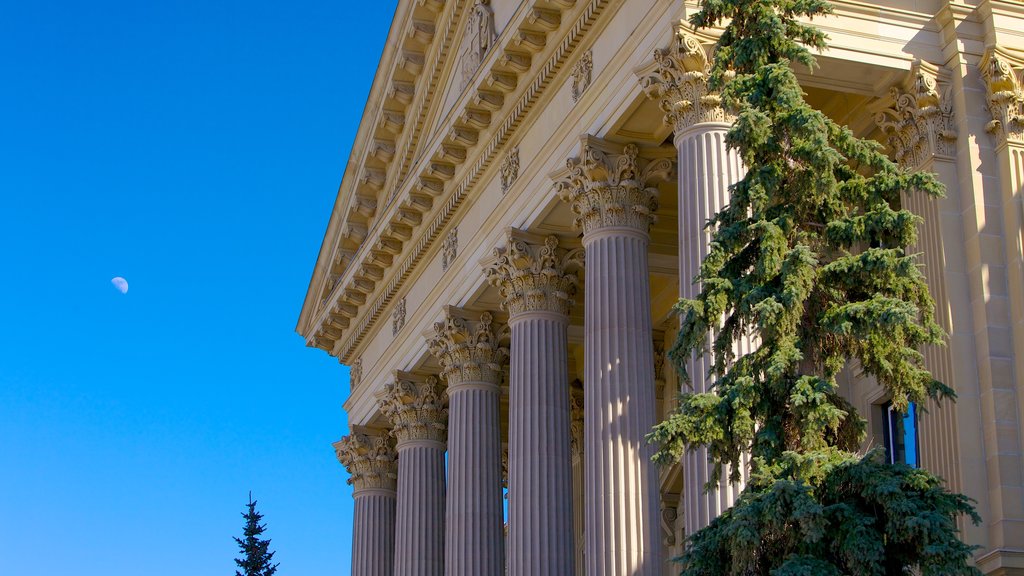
{"type": "Point", "coordinates": [256, 556]}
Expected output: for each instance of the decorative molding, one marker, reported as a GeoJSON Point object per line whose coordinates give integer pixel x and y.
{"type": "Point", "coordinates": [534, 275]}
{"type": "Point", "coordinates": [680, 83]}
{"type": "Point", "coordinates": [370, 459]}
{"type": "Point", "coordinates": [581, 74]}
{"type": "Point", "coordinates": [613, 189]}
{"type": "Point", "coordinates": [355, 374]}
{"type": "Point", "coordinates": [659, 359]}
{"type": "Point", "coordinates": [416, 408]}
{"type": "Point", "coordinates": [468, 350]}
{"type": "Point", "coordinates": [450, 248]}
{"type": "Point", "coordinates": [1004, 83]}
{"type": "Point", "coordinates": [509, 169]}
{"type": "Point", "coordinates": [398, 317]}
{"type": "Point", "coordinates": [358, 332]}
{"type": "Point", "coordinates": [576, 419]}
{"type": "Point", "coordinates": [918, 117]}
{"type": "Point", "coordinates": [477, 39]}
{"type": "Point", "coordinates": [668, 515]}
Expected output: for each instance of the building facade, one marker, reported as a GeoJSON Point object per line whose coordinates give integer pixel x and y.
{"type": "Point", "coordinates": [525, 202]}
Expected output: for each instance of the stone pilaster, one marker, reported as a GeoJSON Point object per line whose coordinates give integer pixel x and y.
{"type": "Point", "coordinates": [370, 461]}
{"type": "Point", "coordinates": [471, 358]}
{"type": "Point", "coordinates": [537, 279]}
{"type": "Point", "coordinates": [706, 170]}
{"type": "Point", "coordinates": [920, 129]}
{"type": "Point", "coordinates": [416, 407]}
{"type": "Point", "coordinates": [612, 193]}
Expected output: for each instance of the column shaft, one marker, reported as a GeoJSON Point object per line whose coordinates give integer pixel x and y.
{"type": "Point", "coordinates": [419, 549]}
{"type": "Point", "coordinates": [621, 481]}
{"type": "Point", "coordinates": [706, 170]}
{"type": "Point", "coordinates": [540, 467]}
{"type": "Point", "coordinates": [373, 533]}
{"type": "Point", "coordinates": [474, 529]}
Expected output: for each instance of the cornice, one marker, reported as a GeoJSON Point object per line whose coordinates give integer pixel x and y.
{"type": "Point", "coordinates": [409, 29]}
{"type": "Point", "coordinates": [405, 234]}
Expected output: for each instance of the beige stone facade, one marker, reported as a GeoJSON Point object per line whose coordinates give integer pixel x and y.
{"type": "Point", "coordinates": [524, 204]}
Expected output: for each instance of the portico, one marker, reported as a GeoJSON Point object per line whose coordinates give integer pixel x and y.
{"type": "Point", "coordinates": [519, 215]}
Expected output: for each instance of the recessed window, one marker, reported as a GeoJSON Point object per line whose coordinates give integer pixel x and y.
{"type": "Point", "coordinates": [900, 433]}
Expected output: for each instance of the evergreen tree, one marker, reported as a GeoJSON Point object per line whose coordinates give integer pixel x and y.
{"type": "Point", "coordinates": [810, 256]}
{"type": "Point", "coordinates": [256, 556]}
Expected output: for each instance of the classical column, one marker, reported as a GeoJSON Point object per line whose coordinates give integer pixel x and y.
{"type": "Point", "coordinates": [471, 359]}
{"type": "Point", "coordinates": [370, 461]}
{"type": "Point", "coordinates": [706, 169]}
{"type": "Point", "coordinates": [611, 194]}
{"type": "Point", "coordinates": [537, 280]}
{"type": "Point", "coordinates": [415, 406]}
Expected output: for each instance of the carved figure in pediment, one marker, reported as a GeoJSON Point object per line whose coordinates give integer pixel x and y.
{"type": "Point", "coordinates": [478, 38]}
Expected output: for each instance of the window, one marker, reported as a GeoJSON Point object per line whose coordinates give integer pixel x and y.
{"type": "Point", "coordinates": [900, 434]}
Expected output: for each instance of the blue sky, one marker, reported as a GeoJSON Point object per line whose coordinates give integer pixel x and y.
{"type": "Point", "coordinates": [194, 148]}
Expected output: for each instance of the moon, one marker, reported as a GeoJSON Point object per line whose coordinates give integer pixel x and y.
{"type": "Point", "coordinates": [120, 284]}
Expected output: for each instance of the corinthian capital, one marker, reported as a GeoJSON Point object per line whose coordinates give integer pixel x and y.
{"type": "Point", "coordinates": [467, 346]}
{"type": "Point", "coordinates": [1005, 87]}
{"type": "Point", "coordinates": [917, 118]}
{"type": "Point", "coordinates": [415, 405]}
{"type": "Point", "coordinates": [680, 83]}
{"type": "Point", "coordinates": [535, 275]}
{"type": "Point", "coordinates": [612, 189]}
{"type": "Point", "coordinates": [370, 459]}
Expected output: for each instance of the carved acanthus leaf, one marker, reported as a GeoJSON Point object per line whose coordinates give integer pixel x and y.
{"type": "Point", "coordinates": [535, 276]}
{"type": "Point", "coordinates": [370, 459]}
{"type": "Point", "coordinates": [606, 190]}
{"type": "Point", "coordinates": [1004, 83]}
{"type": "Point", "coordinates": [416, 408]}
{"type": "Point", "coordinates": [680, 84]}
{"type": "Point", "coordinates": [918, 123]}
{"type": "Point", "coordinates": [468, 350]}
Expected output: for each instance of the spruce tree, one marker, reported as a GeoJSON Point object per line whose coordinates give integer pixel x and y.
{"type": "Point", "coordinates": [810, 256]}
{"type": "Point", "coordinates": [256, 556]}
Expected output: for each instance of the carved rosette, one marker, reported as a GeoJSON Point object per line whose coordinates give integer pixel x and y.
{"type": "Point", "coordinates": [576, 420]}
{"type": "Point", "coordinates": [370, 459]}
{"type": "Point", "coordinates": [468, 350]}
{"type": "Point", "coordinates": [1005, 87]}
{"type": "Point", "coordinates": [919, 123]}
{"type": "Point", "coordinates": [535, 277]}
{"type": "Point", "coordinates": [680, 84]}
{"type": "Point", "coordinates": [613, 190]}
{"type": "Point", "coordinates": [416, 409]}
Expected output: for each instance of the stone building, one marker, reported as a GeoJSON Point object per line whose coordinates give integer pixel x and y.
{"type": "Point", "coordinates": [523, 205]}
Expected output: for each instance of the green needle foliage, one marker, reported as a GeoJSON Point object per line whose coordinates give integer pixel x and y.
{"type": "Point", "coordinates": [810, 256]}
{"type": "Point", "coordinates": [256, 556]}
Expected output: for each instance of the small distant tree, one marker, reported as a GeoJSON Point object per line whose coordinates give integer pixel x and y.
{"type": "Point", "coordinates": [256, 556]}
{"type": "Point", "coordinates": [811, 256]}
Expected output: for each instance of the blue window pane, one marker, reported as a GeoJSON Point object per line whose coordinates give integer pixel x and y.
{"type": "Point", "coordinates": [900, 434]}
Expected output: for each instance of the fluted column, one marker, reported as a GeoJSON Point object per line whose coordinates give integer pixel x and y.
{"type": "Point", "coordinates": [471, 359]}
{"type": "Point", "coordinates": [706, 169]}
{"type": "Point", "coordinates": [537, 280]}
{"type": "Point", "coordinates": [415, 406]}
{"type": "Point", "coordinates": [611, 194]}
{"type": "Point", "coordinates": [370, 460]}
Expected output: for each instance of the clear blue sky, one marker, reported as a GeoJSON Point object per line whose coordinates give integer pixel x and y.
{"type": "Point", "coordinates": [194, 148]}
